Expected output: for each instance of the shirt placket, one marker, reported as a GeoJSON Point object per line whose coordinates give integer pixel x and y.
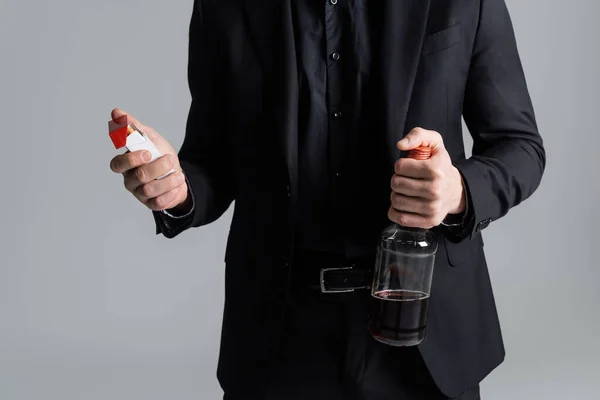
{"type": "Point", "coordinates": [334, 60]}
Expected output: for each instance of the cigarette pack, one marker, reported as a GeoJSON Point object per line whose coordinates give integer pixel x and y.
{"type": "Point", "coordinates": [133, 138]}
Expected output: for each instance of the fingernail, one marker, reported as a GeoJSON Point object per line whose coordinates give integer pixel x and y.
{"type": "Point", "coordinates": [146, 156]}
{"type": "Point", "coordinates": [404, 141]}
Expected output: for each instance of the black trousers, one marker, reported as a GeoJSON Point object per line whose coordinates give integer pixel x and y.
{"type": "Point", "coordinates": [327, 353]}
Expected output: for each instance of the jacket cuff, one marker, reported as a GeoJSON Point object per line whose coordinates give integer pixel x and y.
{"type": "Point", "coordinates": [478, 197]}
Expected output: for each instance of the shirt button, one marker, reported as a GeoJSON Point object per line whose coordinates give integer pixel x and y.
{"type": "Point", "coordinates": [334, 2]}
{"type": "Point", "coordinates": [337, 114]}
{"type": "Point", "coordinates": [335, 56]}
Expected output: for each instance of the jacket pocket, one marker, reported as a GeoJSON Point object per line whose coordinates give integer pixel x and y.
{"type": "Point", "coordinates": [441, 40]}
{"type": "Point", "coordinates": [459, 253]}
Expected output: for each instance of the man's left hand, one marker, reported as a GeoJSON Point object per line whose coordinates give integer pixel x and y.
{"type": "Point", "coordinates": [424, 192]}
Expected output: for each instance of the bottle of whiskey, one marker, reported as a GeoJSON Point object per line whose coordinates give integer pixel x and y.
{"type": "Point", "coordinates": [402, 280]}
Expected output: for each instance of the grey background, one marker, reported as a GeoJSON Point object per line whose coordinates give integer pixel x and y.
{"type": "Point", "coordinates": [93, 305]}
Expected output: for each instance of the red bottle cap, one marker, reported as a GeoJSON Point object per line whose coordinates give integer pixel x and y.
{"type": "Point", "coordinates": [420, 153]}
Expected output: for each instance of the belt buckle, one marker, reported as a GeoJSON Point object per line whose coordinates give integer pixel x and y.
{"type": "Point", "coordinates": [322, 280]}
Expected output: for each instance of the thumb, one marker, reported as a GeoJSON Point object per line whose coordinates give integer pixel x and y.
{"type": "Point", "coordinates": [420, 137]}
{"type": "Point", "coordinates": [120, 116]}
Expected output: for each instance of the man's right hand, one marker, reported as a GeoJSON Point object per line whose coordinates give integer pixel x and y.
{"type": "Point", "coordinates": [140, 175]}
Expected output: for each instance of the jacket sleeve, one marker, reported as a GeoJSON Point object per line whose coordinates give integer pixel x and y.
{"type": "Point", "coordinates": [508, 158]}
{"type": "Point", "coordinates": [204, 152]}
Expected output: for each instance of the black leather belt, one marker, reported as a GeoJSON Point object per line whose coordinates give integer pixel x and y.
{"type": "Point", "coordinates": [332, 274]}
{"type": "Point", "coordinates": [344, 279]}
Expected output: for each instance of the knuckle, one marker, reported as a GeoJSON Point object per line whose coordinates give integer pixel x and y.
{"type": "Point", "coordinates": [429, 208]}
{"type": "Point", "coordinates": [399, 165]}
{"type": "Point", "coordinates": [391, 214]}
{"type": "Point", "coordinates": [147, 191]}
{"type": "Point", "coordinates": [403, 219]}
{"type": "Point", "coordinates": [400, 184]}
{"type": "Point", "coordinates": [161, 202]}
{"type": "Point", "coordinates": [169, 161]}
{"type": "Point", "coordinates": [177, 192]}
{"type": "Point", "coordinates": [152, 204]}
{"type": "Point", "coordinates": [140, 174]}
{"type": "Point", "coordinates": [434, 189]}
{"type": "Point", "coordinates": [130, 159]}
{"type": "Point", "coordinates": [396, 200]}
{"type": "Point", "coordinates": [178, 179]}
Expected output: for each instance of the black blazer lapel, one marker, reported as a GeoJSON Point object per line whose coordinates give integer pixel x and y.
{"type": "Point", "coordinates": [262, 19]}
{"type": "Point", "coordinates": [403, 31]}
{"type": "Point", "coordinates": [271, 29]}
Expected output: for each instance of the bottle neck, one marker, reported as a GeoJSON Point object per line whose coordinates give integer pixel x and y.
{"type": "Point", "coordinates": [409, 229]}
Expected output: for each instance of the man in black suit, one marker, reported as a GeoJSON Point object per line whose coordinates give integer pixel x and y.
{"type": "Point", "coordinates": [298, 111]}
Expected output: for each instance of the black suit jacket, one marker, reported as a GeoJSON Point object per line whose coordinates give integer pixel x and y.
{"type": "Point", "coordinates": [435, 61]}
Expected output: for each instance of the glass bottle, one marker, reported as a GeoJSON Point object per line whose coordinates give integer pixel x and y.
{"type": "Point", "coordinates": [402, 281]}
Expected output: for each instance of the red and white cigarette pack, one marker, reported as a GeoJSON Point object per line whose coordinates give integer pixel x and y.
{"type": "Point", "coordinates": [133, 138]}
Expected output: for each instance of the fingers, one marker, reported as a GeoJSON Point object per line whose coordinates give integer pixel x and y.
{"type": "Point", "coordinates": [427, 189]}
{"type": "Point", "coordinates": [416, 169]}
{"type": "Point", "coordinates": [167, 200]}
{"type": "Point", "coordinates": [416, 205]}
{"type": "Point", "coordinates": [421, 137]}
{"type": "Point", "coordinates": [410, 220]}
{"type": "Point", "coordinates": [146, 173]}
{"type": "Point", "coordinates": [420, 169]}
{"type": "Point", "coordinates": [126, 162]}
{"type": "Point", "coordinates": [157, 188]}
{"type": "Point", "coordinates": [407, 203]}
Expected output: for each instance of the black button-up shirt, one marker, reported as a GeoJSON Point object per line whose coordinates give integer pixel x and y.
{"type": "Point", "coordinates": [331, 71]}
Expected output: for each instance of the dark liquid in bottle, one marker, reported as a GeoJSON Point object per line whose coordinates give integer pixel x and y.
{"type": "Point", "coordinates": [398, 317]}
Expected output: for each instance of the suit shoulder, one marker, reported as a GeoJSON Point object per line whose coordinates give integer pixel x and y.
{"type": "Point", "coordinates": [445, 13]}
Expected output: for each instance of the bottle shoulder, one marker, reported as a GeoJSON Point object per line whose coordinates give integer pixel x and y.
{"type": "Point", "coordinates": [399, 238]}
